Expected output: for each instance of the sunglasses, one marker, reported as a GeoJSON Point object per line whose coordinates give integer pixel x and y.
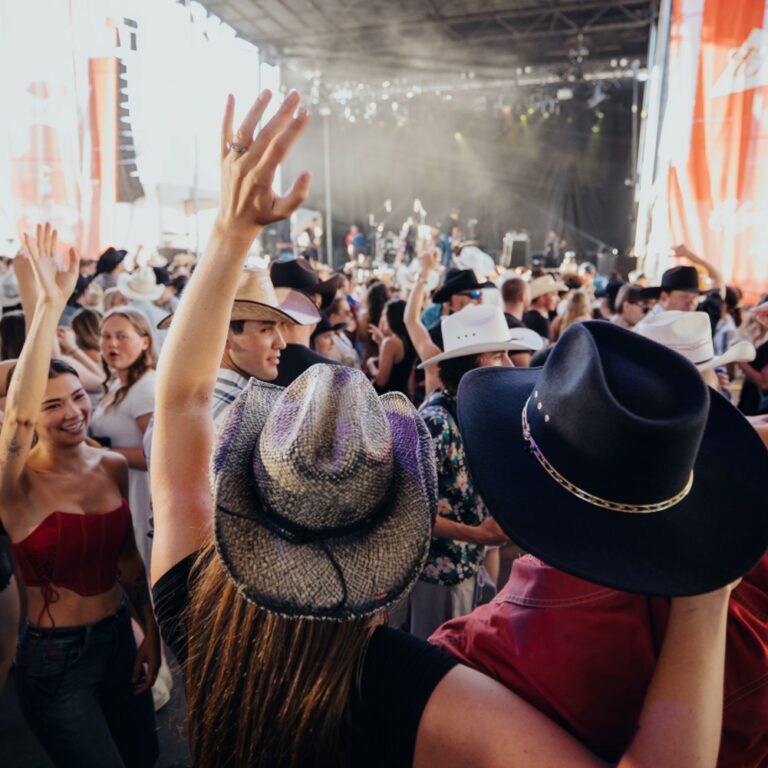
{"type": "Point", "coordinates": [471, 294]}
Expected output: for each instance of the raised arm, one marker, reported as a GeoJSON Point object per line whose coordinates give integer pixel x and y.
{"type": "Point", "coordinates": [25, 394]}
{"type": "Point", "coordinates": [679, 725]}
{"type": "Point", "coordinates": [186, 373]}
{"type": "Point", "coordinates": [420, 338]}
{"type": "Point", "coordinates": [715, 276]}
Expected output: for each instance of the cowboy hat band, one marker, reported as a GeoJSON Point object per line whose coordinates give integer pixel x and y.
{"type": "Point", "coordinates": [257, 299]}
{"type": "Point", "coordinates": [618, 421]}
{"type": "Point", "coordinates": [327, 482]}
{"type": "Point", "coordinates": [590, 498]}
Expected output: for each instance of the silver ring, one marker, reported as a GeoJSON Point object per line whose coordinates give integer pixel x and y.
{"type": "Point", "coordinates": [238, 149]}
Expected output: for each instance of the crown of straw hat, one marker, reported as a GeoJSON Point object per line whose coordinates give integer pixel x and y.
{"type": "Point", "coordinates": [140, 285]}
{"type": "Point", "coordinates": [326, 481]}
{"type": "Point", "coordinates": [482, 328]}
{"type": "Point", "coordinates": [545, 284]}
{"type": "Point", "coordinates": [257, 299]}
{"type": "Point", "coordinates": [628, 470]}
{"type": "Point", "coordinates": [690, 334]}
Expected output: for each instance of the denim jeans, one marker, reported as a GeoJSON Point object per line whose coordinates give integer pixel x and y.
{"type": "Point", "coordinates": [75, 690]}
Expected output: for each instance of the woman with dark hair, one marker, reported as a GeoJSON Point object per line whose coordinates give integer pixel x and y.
{"type": "Point", "coordinates": [78, 675]}
{"type": "Point", "coordinates": [391, 369]}
{"type": "Point", "coordinates": [320, 505]}
{"type": "Point", "coordinates": [13, 330]}
{"type": "Point", "coordinates": [370, 315]}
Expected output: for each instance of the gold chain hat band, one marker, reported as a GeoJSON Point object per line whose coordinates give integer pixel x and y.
{"type": "Point", "coordinates": [590, 498]}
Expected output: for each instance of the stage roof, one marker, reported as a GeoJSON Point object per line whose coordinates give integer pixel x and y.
{"type": "Point", "coordinates": [369, 39]}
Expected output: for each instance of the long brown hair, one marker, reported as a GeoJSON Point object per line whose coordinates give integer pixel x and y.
{"type": "Point", "coordinates": [263, 690]}
{"type": "Point", "coordinates": [87, 327]}
{"type": "Point", "coordinates": [143, 363]}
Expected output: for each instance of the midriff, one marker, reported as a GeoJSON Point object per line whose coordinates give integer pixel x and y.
{"type": "Point", "coordinates": [71, 609]}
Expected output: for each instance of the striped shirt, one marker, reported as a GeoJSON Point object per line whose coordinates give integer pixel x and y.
{"type": "Point", "coordinates": [229, 384]}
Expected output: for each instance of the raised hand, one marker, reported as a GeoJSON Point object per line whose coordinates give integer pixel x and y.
{"type": "Point", "coordinates": [376, 334]}
{"type": "Point", "coordinates": [248, 167]}
{"type": "Point", "coordinates": [428, 262]}
{"type": "Point", "coordinates": [52, 283]}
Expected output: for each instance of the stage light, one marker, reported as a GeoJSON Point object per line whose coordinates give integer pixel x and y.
{"type": "Point", "coordinates": [524, 119]}
{"type": "Point", "coordinates": [546, 115]}
{"type": "Point", "coordinates": [531, 110]}
{"type": "Point", "coordinates": [623, 62]}
{"type": "Point", "coordinates": [595, 129]}
{"type": "Point", "coordinates": [385, 84]}
{"type": "Point", "coordinates": [459, 136]}
{"type": "Point", "coordinates": [600, 115]}
{"type": "Point", "coordinates": [395, 106]}
{"type": "Point", "coordinates": [527, 70]}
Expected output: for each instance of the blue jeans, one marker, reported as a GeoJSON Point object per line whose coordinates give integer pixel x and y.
{"type": "Point", "coordinates": [75, 690]}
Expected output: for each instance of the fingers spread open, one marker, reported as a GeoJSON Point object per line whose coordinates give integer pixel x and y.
{"type": "Point", "coordinates": [273, 128]}
{"type": "Point", "coordinates": [275, 154]}
{"type": "Point", "coordinates": [248, 126]}
{"type": "Point", "coordinates": [52, 243]}
{"type": "Point", "coordinates": [287, 204]}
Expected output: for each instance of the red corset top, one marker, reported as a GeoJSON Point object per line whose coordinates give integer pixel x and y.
{"type": "Point", "coordinates": [74, 551]}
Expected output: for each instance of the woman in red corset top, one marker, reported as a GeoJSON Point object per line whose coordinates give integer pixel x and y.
{"type": "Point", "coordinates": [81, 682]}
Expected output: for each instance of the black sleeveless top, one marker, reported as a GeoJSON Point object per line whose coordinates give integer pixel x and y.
{"type": "Point", "coordinates": [400, 374]}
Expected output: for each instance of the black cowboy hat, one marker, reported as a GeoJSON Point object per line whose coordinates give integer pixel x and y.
{"type": "Point", "coordinates": [675, 279]}
{"type": "Point", "coordinates": [457, 282]}
{"type": "Point", "coordinates": [298, 275]}
{"type": "Point", "coordinates": [324, 325]}
{"type": "Point", "coordinates": [109, 260]}
{"type": "Point", "coordinates": [626, 469]}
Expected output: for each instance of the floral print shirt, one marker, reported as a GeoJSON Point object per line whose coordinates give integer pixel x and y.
{"type": "Point", "coordinates": [450, 562]}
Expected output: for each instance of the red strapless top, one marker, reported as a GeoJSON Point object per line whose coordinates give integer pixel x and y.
{"type": "Point", "coordinates": [74, 551]}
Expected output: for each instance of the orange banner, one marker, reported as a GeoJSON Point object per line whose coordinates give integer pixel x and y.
{"type": "Point", "coordinates": [718, 194]}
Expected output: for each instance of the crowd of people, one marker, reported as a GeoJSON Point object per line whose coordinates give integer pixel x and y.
{"type": "Point", "coordinates": [324, 482]}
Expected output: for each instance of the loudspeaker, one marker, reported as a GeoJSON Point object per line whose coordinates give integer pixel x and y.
{"type": "Point", "coordinates": [519, 257]}
{"type": "Point", "coordinates": [624, 265]}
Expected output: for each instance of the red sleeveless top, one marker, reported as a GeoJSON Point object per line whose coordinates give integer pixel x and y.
{"type": "Point", "coordinates": [75, 551]}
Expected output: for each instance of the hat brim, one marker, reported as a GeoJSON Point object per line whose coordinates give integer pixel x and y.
{"type": "Point", "coordinates": [254, 310]}
{"type": "Point", "coordinates": [337, 579]}
{"type": "Point", "coordinates": [328, 290]}
{"type": "Point", "coordinates": [715, 535]}
{"type": "Point", "coordinates": [742, 352]}
{"type": "Point", "coordinates": [514, 345]}
{"type": "Point", "coordinates": [443, 294]}
{"type": "Point", "coordinates": [123, 285]}
{"type": "Point", "coordinates": [654, 291]}
{"type": "Point", "coordinates": [554, 288]}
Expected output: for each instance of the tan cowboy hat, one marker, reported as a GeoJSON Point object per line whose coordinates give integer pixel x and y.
{"type": "Point", "coordinates": [545, 284]}
{"type": "Point", "coordinates": [256, 300]}
{"type": "Point", "coordinates": [140, 285]}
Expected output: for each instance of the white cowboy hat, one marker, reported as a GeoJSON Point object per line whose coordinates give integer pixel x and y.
{"type": "Point", "coordinates": [471, 257]}
{"type": "Point", "coordinates": [690, 334]}
{"type": "Point", "coordinates": [477, 329]}
{"type": "Point", "coordinates": [140, 285]}
{"type": "Point", "coordinates": [156, 260]}
{"type": "Point", "coordinates": [545, 284]}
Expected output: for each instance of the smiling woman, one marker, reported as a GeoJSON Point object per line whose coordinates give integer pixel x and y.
{"type": "Point", "coordinates": [78, 674]}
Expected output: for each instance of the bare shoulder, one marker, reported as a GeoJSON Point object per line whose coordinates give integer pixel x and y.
{"type": "Point", "coordinates": [115, 465]}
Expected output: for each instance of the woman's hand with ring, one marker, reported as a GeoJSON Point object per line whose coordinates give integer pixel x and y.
{"type": "Point", "coordinates": [248, 166]}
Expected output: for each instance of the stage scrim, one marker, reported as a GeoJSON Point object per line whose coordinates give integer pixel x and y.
{"type": "Point", "coordinates": [704, 173]}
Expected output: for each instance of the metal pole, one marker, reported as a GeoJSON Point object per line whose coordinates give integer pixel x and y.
{"type": "Point", "coordinates": [327, 170]}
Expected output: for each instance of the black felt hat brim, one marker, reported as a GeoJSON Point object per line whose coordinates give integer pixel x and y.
{"type": "Point", "coordinates": [714, 536]}
{"type": "Point", "coordinates": [449, 289]}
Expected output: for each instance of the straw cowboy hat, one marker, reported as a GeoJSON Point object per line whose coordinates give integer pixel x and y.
{"type": "Point", "coordinates": [690, 334]}
{"type": "Point", "coordinates": [481, 328]}
{"type": "Point", "coordinates": [256, 300]}
{"type": "Point", "coordinates": [330, 483]}
{"type": "Point", "coordinates": [140, 285]}
{"type": "Point", "coordinates": [545, 284]}
{"type": "Point", "coordinates": [627, 469]}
